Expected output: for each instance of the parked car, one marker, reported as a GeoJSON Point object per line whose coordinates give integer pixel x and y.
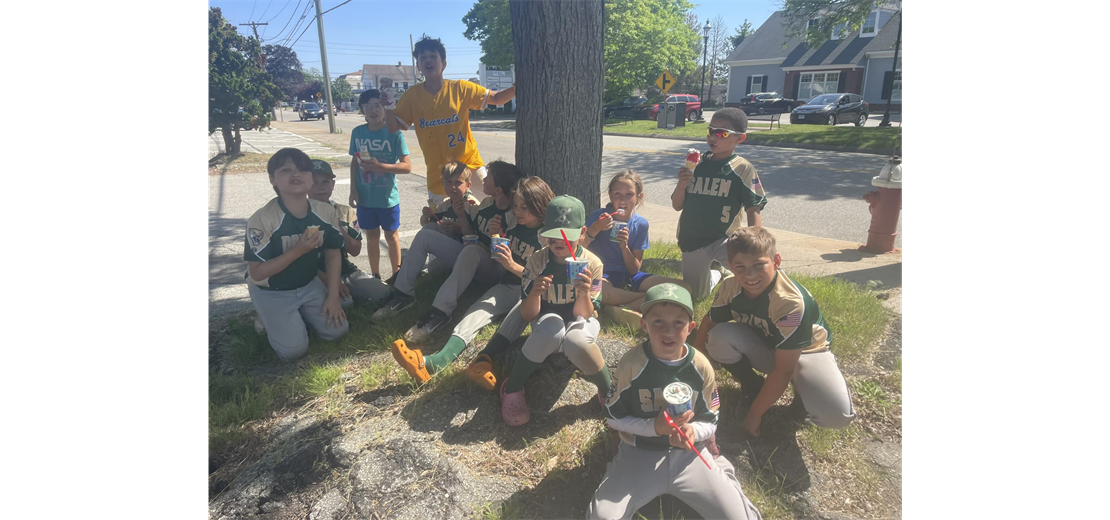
{"type": "Point", "coordinates": [311, 110]}
{"type": "Point", "coordinates": [623, 108]}
{"type": "Point", "coordinates": [832, 109]}
{"type": "Point", "coordinates": [650, 110]}
{"type": "Point", "coordinates": [766, 103]}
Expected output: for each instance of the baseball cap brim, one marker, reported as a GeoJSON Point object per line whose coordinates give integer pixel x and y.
{"type": "Point", "coordinates": [647, 305]}
{"type": "Point", "coordinates": [573, 234]}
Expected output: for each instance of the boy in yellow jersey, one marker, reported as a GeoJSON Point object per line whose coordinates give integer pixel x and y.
{"type": "Point", "coordinates": [440, 110]}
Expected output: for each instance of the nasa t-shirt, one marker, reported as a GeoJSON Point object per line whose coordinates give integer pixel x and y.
{"type": "Point", "coordinates": [378, 189]}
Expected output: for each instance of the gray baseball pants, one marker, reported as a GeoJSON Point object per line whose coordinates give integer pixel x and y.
{"type": "Point", "coordinates": [473, 261]}
{"type": "Point", "coordinates": [696, 269]}
{"type": "Point", "coordinates": [427, 242]}
{"type": "Point", "coordinates": [499, 299]}
{"type": "Point", "coordinates": [285, 315]}
{"type": "Point", "coordinates": [364, 287]}
{"type": "Point", "coordinates": [550, 334]}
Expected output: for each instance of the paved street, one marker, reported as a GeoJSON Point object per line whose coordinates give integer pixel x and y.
{"type": "Point", "coordinates": [811, 192]}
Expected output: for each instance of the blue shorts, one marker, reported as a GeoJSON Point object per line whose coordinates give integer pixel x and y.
{"type": "Point", "coordinates": [631, 283]}
{"type": "Point", "coordinates": [388, 219]}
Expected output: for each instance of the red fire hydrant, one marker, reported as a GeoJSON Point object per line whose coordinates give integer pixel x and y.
{"type": "Point", "coordinates": [885, 207]}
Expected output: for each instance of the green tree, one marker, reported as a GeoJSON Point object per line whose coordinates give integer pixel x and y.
{"type": "Point", "coordinates": [235, 79]}
{"type": "Point", "coordinates": [283, 65]}
{"type": "Point", "coordinates": [341, 91]}
{"type": "Point", "coordinates": [742, 32]}
{"type": "Point", "coordinates": [488, 22]}
{"type": "Point", "coordinates": [642, 37]}
{"type": "Point", "coordinates": [828, 15]}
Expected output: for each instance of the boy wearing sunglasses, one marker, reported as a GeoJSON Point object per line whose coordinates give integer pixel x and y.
{"type": "Point", "coordinates": [711, 196]}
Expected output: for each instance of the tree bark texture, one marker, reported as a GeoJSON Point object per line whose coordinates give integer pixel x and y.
{"type": "Point", "coordinates": [232, 140]}
{"type": "Point", "coordinates": [560, 83]}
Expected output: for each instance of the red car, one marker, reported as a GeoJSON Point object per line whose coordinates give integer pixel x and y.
{"type": "Point", "coordinates": [650, 110]}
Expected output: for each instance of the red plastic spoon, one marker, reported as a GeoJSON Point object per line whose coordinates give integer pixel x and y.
{"type": "Point", "coordinates": [685, 438]}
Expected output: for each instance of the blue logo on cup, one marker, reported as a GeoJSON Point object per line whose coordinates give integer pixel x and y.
{"type": "Point", "coordinates": [495, 241]}
{"type": "Point", "coordinates": [616, 230]}
{"type": "Point", "coordinates": [573, 268]}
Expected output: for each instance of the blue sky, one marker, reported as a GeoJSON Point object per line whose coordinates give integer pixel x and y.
{"type": "Point", "coordinates": [377, 32]}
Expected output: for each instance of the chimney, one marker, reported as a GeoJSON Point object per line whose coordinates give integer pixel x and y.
{"type": "Point", "coordinates": [398, 64]}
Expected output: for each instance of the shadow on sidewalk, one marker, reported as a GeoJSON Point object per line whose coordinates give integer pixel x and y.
{"type": "Point", "coordinates": [889, 275]}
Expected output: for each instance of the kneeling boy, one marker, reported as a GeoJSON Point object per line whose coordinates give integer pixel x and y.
{"type": "Point", "coordinates": [283, 243]}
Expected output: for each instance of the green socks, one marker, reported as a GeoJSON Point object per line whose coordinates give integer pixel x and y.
{"type": "Point", "coordinates": [444, 357]}
{"type": "Point", "coordinates": [521, 370]}
{"type": "Point", "coordinates": [601, 380]}
{"type": "Point", "coordinates": [496, 346]}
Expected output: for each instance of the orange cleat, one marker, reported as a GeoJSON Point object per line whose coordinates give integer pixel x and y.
{"type": "Point", "coordinates": [481, 372]}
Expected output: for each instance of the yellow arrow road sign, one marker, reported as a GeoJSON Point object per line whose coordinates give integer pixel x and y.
{"type": "Point", "coordinates": [665, 81]}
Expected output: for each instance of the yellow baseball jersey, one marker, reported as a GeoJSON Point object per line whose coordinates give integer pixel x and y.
{"type": "Point", "coordinates": [442, 124]}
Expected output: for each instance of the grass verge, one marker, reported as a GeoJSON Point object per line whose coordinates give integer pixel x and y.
{"type": "Point", "coordinates": [254, 163]}
{"type": "Point", "coordinates": [863, 138]}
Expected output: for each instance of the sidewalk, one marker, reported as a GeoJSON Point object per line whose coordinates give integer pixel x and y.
{"type": "Point", "coordinates": [801, 253]}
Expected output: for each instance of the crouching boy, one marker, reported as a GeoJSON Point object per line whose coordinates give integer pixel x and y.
{"type": "Point", "coordinates": [652, 458]}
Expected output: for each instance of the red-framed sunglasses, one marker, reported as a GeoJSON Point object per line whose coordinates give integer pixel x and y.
{"type": "Point", "coordinates": [721, 133]}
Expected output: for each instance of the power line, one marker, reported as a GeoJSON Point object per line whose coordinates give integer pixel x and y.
{"type": "Point", "coordinates": [283, 6]}
{"type": "Point", "coordinates": [290, 17]}
{"type": "Point", "coordinates": [266, 9]}
{"type": "Point", "coordinates": [252, 9]}
{"type": "Point", "coordinates": [297, 25]}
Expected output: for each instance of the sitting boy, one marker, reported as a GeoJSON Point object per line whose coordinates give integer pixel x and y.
{"type": "Point", "coordinates": [354, 284]}
{"type": "Point", "coordinates": [455, 178]}
{"type": "Point", "coordinates": [763, 319]}
{"type": "Point", "coordinates": [283, 243]}
{"type": "Point", "coordinates": [482, 221]}
{"type": "Point", "coordinates": [652, 458]}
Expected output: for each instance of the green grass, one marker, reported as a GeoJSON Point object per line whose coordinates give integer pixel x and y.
{"type": "Point", "coordinates": [855, 317]}
{"type": "Point", "coordinates": [318, 379]}
{"type": "Point", "coordinates": [865, 138]}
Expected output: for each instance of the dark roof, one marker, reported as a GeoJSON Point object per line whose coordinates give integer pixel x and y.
{"type": "Point", "coordinates": [769, 41]}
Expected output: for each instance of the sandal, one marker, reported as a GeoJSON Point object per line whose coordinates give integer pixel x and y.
{"type": "Point", "coordinates": [481, 372]}
{"type": "Point", "coordinates": [411, 360]}
{"type": "Point", "coordinates": [514, 409]}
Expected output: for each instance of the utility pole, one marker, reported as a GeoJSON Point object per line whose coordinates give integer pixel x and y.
{"type": "Point", "coordinates": [324, 60]}
{"type": "Point", "coordinates": [894, 73]}
{"type": "Point", "coordinates": [261, 55]}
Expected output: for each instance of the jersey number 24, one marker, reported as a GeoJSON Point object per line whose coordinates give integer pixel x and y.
{"type": "Point", "coordinates": [453, 142]}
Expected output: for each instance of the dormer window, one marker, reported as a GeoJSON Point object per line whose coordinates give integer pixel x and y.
{"type": "Point", "coordinates": [840, 31]}
{"type": "Point", "coordinates": [870, 25]}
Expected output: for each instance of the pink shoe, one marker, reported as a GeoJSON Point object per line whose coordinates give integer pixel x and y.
{"type": "Point", "coordinates": [514, 409]}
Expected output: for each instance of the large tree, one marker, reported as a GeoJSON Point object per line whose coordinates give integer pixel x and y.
{"type": "Point", "coordinates": [235, 79]}
{"type": "Point", "coordinates": [720, 46]}
{"type": "Point", "coordinates": [559, 60]}
{"type": "Point", "coordinates": [642, 37]}
{"type": "Point", "coordinates": [828, 15]}
{"type": "Point", "coordinates": [283, 65]}
{"type": "Point", "coordinates": [488, 23]}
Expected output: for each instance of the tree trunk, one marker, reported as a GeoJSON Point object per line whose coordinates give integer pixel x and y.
{"type": "Point", "coordinates": [232, 139]}
{"type": "Point", "coordinates": [560, 83]}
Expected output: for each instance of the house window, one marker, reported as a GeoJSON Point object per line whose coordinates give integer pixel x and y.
{"type": "Point", "coordinates": [870, 25]}
{"type": "Point", "coordinates": [813, 84]}
{"type": "Point", "coordinates": [840, 31]}
{"type": "Point", "coordinates": [757, 84]}
{"type": "Point", "coordinates": [811, 23]}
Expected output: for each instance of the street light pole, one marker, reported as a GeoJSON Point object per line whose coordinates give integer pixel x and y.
{"type": "Point", "coordinates": [704, 53]}
{"type": "Point", "coordinates": [327, 77]}
{"type": "Point", "coordinates": [894, 72]}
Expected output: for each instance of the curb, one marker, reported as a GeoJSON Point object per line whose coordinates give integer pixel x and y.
{"type": "Point", "coordinates": [805, 146]}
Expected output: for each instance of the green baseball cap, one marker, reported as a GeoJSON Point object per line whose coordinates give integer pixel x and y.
{"type": "Point", "coordinates": [566, 214]}
{"type": "Point", "coordinates": [670, 293]}
{"type": "Point", "coordinates": [322, 168]}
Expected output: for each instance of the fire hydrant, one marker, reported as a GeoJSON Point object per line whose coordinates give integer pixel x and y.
{"type": "Point", "coordinates": [885, 206]}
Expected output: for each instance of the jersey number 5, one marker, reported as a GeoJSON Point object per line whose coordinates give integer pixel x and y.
{"type": "Point", "coordinates": [725, 211]}
{"type": "Point", "coordinates": [453, 142]}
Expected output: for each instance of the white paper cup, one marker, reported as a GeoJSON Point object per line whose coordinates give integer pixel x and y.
{"type": "Point", "coordinates": [573, 268]}
{"type": "Point", "coordinates": [616, 230]}
{"type": "Point", "coordinates": [679, 397]}
{"type": "Point", "coordinates": [470, 239]}
{"type": "Point", "coordinates": [495, 241]}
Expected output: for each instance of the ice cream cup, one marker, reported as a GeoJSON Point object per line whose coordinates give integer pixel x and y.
{"type": "Point", "coordinates": [616, 230]}
{"type": "Point", "coordinates": [470, 239]}
{"type": "Point", "coordinates": [573, 268]}
{"type": "Point", "coordinates": [679, 397]}
{"type": "Point", "coordinates": [495, 241]}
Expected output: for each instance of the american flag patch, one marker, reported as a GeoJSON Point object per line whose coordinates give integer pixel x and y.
{"type": "Point", "coordinates": [755, 182]}
{"type": "Point", "coordinates": [790, 320]}
{"type": "Point", "coordinates": [715, 400]}
{"type": "Point", "coordinates": [595, 286]}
